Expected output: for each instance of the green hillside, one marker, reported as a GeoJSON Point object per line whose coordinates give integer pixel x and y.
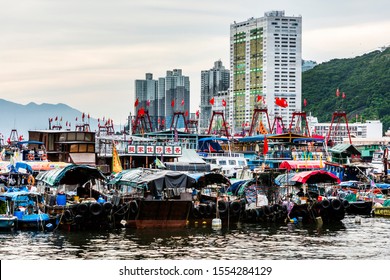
{"type": "Point", "coordinates": [365, 80]}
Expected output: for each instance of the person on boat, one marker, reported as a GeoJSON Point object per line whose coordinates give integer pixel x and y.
{"type": "Point", "coordinates": [300, 193]}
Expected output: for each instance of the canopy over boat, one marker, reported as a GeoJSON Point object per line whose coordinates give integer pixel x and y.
{"type": "Point", "coordinates": [70, 175]}
{"type": "Point", "coordinates": [300, 164]}
{"type": "Point", "coordinates": [315, 176]}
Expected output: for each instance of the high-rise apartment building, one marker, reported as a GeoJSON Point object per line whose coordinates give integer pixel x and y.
{"type": "Point", "coordinates": [265, 63]}
{"type": "Point", "coordinates": [214, 82]}
{"type": "Point", "coordinates": [177, 96]}
{"type": "Point", "coordinates": [146, 91]}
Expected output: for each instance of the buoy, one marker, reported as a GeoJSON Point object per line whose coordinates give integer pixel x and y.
{"type": "Point", "coordinates": [216, 224]}
{"type": "Point", "coordinates": [358, 220]}
{"type": "Point", "coordinates": [319, 221]}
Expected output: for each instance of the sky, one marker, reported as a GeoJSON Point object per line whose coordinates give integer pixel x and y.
{"type": "Point", "coordinates": [88, 53]}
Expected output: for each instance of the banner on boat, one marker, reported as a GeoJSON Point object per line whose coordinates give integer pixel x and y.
{"type": "Point", "coordinates": [154, 150]}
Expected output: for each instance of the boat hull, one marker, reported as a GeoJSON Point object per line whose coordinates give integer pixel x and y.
{"type": "Point", "coordinates": [7, 222]}
{"type": "Point", "coordinates": [382, 211]}
{"type": "Point", "coordinates": [161, 214]}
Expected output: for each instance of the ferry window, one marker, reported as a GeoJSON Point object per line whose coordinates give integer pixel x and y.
{"type": "Point", "coordinates": [62, 137]}
{"type": "Point", "coordinates": [88, 137]}
{"type": "Point", "coordinates": [80, 136]}
{"type": "Point", "coordinates": [241, 163]}
{"type": "Point", "coordinates": [74, 148]}
{"type": "Point", "coordinates": [71, 136]}
{"type": "Point", "coordinates": [82, 148]}
{"type": "Point", "coordinates": [232, 162]}
{"type": "Point", "coordinates": [222, 162]}
{"type": "Point", "coordinates": [91, 148]}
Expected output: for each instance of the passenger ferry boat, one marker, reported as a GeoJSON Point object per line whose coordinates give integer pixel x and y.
{"type": "Point", "coordinates": [230, 163]}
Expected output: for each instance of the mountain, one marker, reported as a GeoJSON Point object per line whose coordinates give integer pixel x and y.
{"type": "Point", "coordinates": [34, 117]}
{"type": "Point", "coordinates": [365, 80]}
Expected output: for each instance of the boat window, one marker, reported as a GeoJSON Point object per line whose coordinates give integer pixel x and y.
{"type": "Point", "coordinates": [62, 137]}
{"type": "Point", "coordinates": [74, 148]}
{"type": "Point", "coordinates": [80, 136]}
{"type": "Point", "coordinates": [91, 148]}
{"type": "Point", "coordinates": [232, 162]}
{"type": "Point", "coordinates": [88, 137]}
{"type": "Point", "coordinates": [241, 163]}
{"type": "Point", "coordinates": [82, 148]}
{"type": "Point", "coordinates": [71, 136]}
{"type": "Point", "coordinates": [222, 162]}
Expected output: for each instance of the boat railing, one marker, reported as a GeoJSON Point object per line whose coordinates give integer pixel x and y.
{"type": "Point", "coordinates": [225, 154]}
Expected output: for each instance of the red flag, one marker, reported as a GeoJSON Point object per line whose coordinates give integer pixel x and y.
{"type": "Point", "coordinates": [265, 146]}
{"type": "Point", "coordinates": [182, 102]}
{"type": "Point", "coordinates": [186, 114]}
{"type": "Point", "coordinates": [304, 102]}
{"type": "Point", "coordinates": [223, 102]}
{"type": "Point", "coordinates": [147, 102]}
{"type": "Point", "coordinates": [212, 101]}
{"type": "Point", "coordinates": [82, 117]}
{"type": "Point", "coordinates": [343, 96]}
{"type": "Point", "coordinates": [163, 121]}
{"type": "Point", "coordinates": [141, 112]}
{"type": "Point", "coordinates": [258, 98]}
{"type": "Point", "coordinates": [158, 120]}
{"type": "Point", "coordinates": [56, 119]}
{"type": "Point", "coordinates": [136, 103]}
{"type": "Point", "coordinates": [173, 103]}
{"type": "Point", "coordinates": [88, 116]}
{"type": "Point", "coordinates": [281, 102]}
{"type": "Point", "coordinates": [197, 113]}
{"type": "Point", "coordinates": [337, 92]}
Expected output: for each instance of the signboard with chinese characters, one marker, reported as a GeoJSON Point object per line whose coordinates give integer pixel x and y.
{"type": "Point", "coordinates": [154, 150]}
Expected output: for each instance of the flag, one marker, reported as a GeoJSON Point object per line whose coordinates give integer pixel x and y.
{"type": "Point", "coordinates": [141, 112]}
{"type": "Point", "coordinates": [212, 101]}
{"type": "Point", "coordinates": [56, 119]}
{"type": "Point", "coordinates": [337, 92]}
{"type": "Point", "coordinates": [159, 164]}
{"type": "Point", "coordinates": [186, 114]}
{"type": "Point", "coordinates": [343, 96]}
{"type": "Point", "coordinates": [173, 103]}
{"type": "Point", "coordinates": [223, 102]}
{"type": "Point", "coordinates": [304, 102]}
{"type": "Point", "coordinates": [265, 146]}
{"type": "Point", "coordinates": [197, 113]}
{"type": "Point", "coordinates": [147, 102]}
{"type": "Point", "coordinates": [136, 102]}
{"type": "Point", "coordinates": [82, 117]}
{"type": "Point", "coordinates": [116, 163]}
{"type": "Point", "coordinates": [258, 98]}
{"type": "Point", "coordinates": [182, 102]}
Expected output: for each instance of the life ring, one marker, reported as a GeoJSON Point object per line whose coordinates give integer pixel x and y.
{"type": "Point", "coordinates": [44, 157]}
{"type": "Point", "coordinates": [82, 208]}
{"type": "Point", "coordinates": [30, 157]}
{"type": "Point", "coordinates": [222, 206]}
{"type": "Point", "coordinates": [31, 180]}
{"type": "Point", "coordinates": [95, 208]}
{"type": "Point", "coordinates": [325, 203]}
{"type": "Point", "coordinates": [345, 203]}
{"type": "Point", "coordinates": [336, 204]}
{"type": "Point", "coordinates": [235, 206]}
{"type": "Point", "coordinates": [107, 206]}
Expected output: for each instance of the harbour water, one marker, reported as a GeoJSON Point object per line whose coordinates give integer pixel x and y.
{"type": "Point", "coordinates": [348, 240]}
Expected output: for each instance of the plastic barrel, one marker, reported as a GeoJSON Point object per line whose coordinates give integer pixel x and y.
{"type": "Point", "coordinates": [18, 214]}
{"type": "Point", "coordinates": [61, 199]}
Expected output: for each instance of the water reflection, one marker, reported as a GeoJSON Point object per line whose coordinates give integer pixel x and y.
{"type": "Point", "coordinates": [344, 240]}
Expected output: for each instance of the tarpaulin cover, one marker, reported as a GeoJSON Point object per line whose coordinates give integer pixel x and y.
{"type": "Point", "coordinates": [300, 164]}
{"type": "Point", "coordinates": [315, 176]}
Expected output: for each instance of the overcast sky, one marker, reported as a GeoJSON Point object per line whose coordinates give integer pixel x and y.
{"type": "Point", "coordinates": [88, 53]}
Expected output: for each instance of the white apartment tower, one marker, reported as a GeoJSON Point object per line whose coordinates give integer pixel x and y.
{"type": "Point", "coordinates": [265, 63]}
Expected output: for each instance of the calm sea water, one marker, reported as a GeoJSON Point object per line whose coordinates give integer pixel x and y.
{"type": "Point", "coordinates": [347, 240]}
